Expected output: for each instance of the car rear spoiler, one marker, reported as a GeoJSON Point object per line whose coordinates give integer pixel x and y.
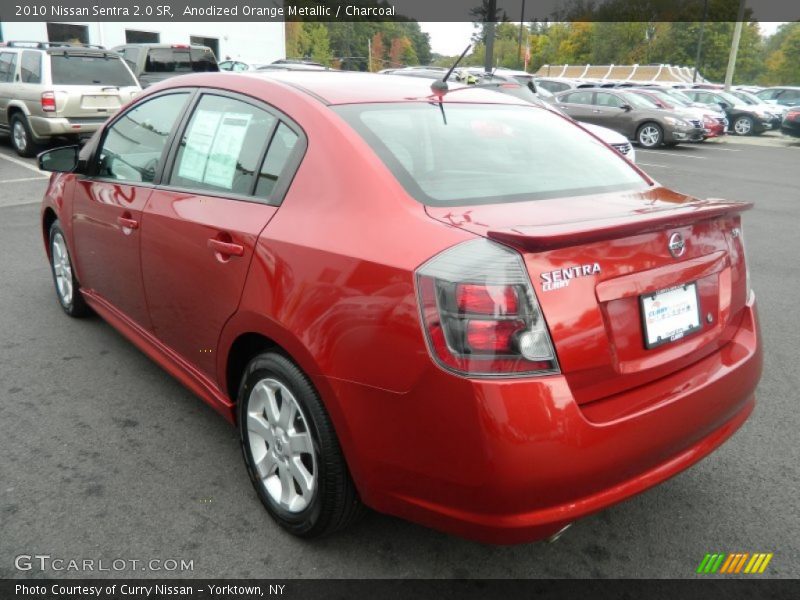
{"type": "Point", "coordinates": [559, 235]}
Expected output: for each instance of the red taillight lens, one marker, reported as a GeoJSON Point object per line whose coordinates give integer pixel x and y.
{"type": "Point", "coordinates": [793, 115]}
{"type": "Point", "coordinates": [486, 299]}
{"type": "Point", "coordinates": [48, 102]}
{"type": "Point", "coordinates": [480, 313]}
{"type": "Point", "coordinates": [492, 336]}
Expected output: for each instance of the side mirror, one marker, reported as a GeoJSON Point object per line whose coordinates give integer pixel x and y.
{"type": "Point", "coordinates": [59, 160]}
{"type": "Point", "coordinates": [626, 107]}
{"type": "Point", "coordinates": [724, 105]}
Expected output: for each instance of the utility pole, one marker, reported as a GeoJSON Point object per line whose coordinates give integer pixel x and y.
{"type": "Point", "coordinates": [369, 54]}
{"type": "Point", "coordinates": [521, 25]}
{"type": "Point", "coordinates": [700, 41]}
{"type": "Point", "coordinates": [488, 60]}
{"type": "Point", "coordinates": [737, 34]}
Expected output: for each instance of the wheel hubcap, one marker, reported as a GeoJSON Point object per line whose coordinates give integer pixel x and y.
{"type": "Point", "coordinates": [649, 136]}
{"type": "Point", "coordinates": [20, 136]}
{"type": "Point", "coordinates": [742, 126]}
{"type": "Point", "coordinates": [62, 269]}
{"type": "Point", "coordinates": [281, 445]}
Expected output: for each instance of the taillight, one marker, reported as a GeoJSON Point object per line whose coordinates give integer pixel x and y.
{"type": "Point", "coordinates": [480, 313]}
{"type": "Point", "coordinates": [747, 281]}
{"type": "Point", "coordinates": [793, 115]}
{"type": "Point", "coordinates": [48, 102]}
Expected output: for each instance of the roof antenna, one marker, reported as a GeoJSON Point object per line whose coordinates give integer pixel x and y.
{"type": "Point", "coordinates": [440, 85]}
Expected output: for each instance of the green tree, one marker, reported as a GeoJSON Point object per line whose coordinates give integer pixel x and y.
{"type": "Point", "coordinates": [318, 43]}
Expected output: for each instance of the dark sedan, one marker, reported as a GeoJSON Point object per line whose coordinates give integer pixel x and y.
{"type": "Point", "coordinates": [791, 122]}
{"type": "Point", "coordinates": [744, 119]}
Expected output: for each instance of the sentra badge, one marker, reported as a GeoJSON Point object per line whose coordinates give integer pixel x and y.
{"type": "Point", "coordinates": [560, 278]}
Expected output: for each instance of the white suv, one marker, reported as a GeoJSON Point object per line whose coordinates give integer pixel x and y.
{"type": "Point", "coordinates": [52, 90]}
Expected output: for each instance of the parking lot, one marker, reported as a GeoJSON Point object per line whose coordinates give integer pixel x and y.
{"type": "Point", "coordinates": [104, 456]}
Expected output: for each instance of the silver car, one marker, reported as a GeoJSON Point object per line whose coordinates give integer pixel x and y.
{"type": "Point", "coordinates": [50, 90]}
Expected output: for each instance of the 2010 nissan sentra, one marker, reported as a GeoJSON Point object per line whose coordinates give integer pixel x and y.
{"type": "Point", "coordinates": [451, 306]}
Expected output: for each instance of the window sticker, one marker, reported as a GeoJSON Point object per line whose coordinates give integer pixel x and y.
{"type": "Point", "coordinates": [227, 146]}
{"type": "Point", "coordinates": [198, 145]}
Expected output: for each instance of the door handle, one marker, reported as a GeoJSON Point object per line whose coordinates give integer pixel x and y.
{"type": "Point", "coordinates": [226, 248]}
{"type": "Point", "coordinates": [595, 111]}
{"type": "Point", "coordinates": [128, 223]}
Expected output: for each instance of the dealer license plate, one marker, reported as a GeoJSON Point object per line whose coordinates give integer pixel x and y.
{"type": "Point", "coordinates": [670, 314]}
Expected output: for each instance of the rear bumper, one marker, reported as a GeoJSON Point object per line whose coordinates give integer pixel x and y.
{"type": "Point", "coordinates": [791, 128]}
{"type": "Point", "coordinates": [515, 461]}
{"type": "Point", "coordinates": [44, 127]}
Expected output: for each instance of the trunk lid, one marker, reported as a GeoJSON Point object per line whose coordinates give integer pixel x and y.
{"type": "Point", "coordinates": [592, 259]}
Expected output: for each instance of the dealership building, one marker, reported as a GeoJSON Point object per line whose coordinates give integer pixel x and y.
{"type": "Point", "coordinates": [261, 42]}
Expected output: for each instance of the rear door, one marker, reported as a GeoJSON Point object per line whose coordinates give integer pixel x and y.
{"type": "Point", "coordinates": [608, 112]}
{"type": "Point", "coordinates": [8, 70]}
{"type": "Point", "coordinates": [90, 85]}
{"type": "Point", "coordinates": [107, 206]}
{"type": "Point", "coordinates": [578, 105]}
{"type": "Point", "coordinates": [229, 171]}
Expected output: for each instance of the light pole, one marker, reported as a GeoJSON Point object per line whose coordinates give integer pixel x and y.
{"type": "Point", "coordinates": [519, 42]}
{"type": "Point", "coordinates": [737, 34]}
{"type": "Point", "coordinates": [700, 41]}
{"type": "Point", "coordinates": [488, 60]}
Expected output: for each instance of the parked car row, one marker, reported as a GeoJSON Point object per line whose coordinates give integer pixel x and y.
{"type": "Point", "coordinates": [749, 110]}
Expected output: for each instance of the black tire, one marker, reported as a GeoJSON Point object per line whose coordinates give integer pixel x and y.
{"type": "Point", "coordinates": [658, 135]}
{"type": "Point", "coordinates": [23, 144]}
{"type": "Point", "coordinates": [75, 306]}
{"type": "Point", "coordinates": [743, 126]}
{"type": "Point", "coordinates": [335, 503]}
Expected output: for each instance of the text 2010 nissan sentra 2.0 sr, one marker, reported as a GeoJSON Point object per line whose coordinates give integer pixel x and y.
{"type": "Point", "coordinates": [454, 307]}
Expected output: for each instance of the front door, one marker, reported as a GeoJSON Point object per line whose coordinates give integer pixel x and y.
{"type": "Point", "coordinates": [202, 224]}
{"type": "Point", "coordinates": [107, 206]}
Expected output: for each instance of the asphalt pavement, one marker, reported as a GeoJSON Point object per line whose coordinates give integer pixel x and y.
{"type": "Point", "coordinates": [103, 456]}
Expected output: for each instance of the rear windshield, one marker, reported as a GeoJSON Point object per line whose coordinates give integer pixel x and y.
{"type": "Point", "coordinates": [82, 69]}
{"type": "Point", "coordinates": [180, 60]}
{"type": "Point", "coordinates": [461, 154]}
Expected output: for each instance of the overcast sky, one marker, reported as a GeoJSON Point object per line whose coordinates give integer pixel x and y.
{"type": "Point", "coordinates": [450, 39]}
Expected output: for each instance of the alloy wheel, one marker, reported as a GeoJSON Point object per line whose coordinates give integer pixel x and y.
{"type": "Point", "coordinates": [20, 136]}
{"type": "Point", "coordinates": [62, 268]}
{"type": "Point", "coordinates": [742, 126]}
{"type": "Point", "coordinates": [649, 136]}
{"type": "Point", "coordinates": [281, 445]}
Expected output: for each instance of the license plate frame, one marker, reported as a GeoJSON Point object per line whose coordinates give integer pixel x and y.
{"type": "Point", "coordinates": [685, 292]}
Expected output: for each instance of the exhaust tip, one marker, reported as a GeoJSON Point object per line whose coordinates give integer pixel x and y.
{"type": "Point", "coordinates": [553, 538]}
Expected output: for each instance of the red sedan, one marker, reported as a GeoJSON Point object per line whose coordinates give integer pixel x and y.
{"type": "Point", "coordinates": [454, 307]}
{"type": "Point", "coordinates": [713, 123]}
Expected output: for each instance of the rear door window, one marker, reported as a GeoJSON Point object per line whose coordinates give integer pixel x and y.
{"type": "Point", "coordinates": [222, 145]}
{"type": "Point", "coordinates": [88, 69]}
{"type": "Point", "coordinates": [578, 98]}
{"type": "Point", "coordinates": [606, 99]}
{"type": "Point", "coordinates": [31, 67]}
{"type": "Point", "coordinates": [8, 66]}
